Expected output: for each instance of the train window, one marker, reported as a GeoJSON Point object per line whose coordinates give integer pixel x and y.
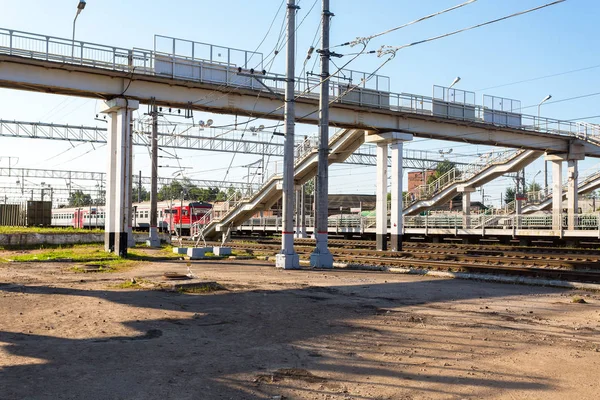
{"type": "Point", "coordinates": [161, 214]}
{"type": "Point", "coordinates": [146, 214]}
{"type": "Point", "coordinates": [185, 212]}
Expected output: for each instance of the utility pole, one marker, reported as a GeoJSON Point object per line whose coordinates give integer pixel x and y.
{"type": "Point", "coordinates": [321, 257]}
{"type": "Point", "coordinates": [287, 258]}
{"type": "Point", "coordinates": [153, 240]}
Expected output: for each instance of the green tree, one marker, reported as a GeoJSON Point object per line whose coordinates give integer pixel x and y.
{"type": "Point", "coordinates": [309, 186]}
{"type": "Point", "coordinates": [170, 191]}
{"type": "Point", "coordinates": [509, 195]}
{"type": "Point", "coordinates": [79, 199]}
{"type": "Point", "coordinates": [442, 168]}
{"type": "Point", "coordinates": [534, 187]}
{"type": "Point", "coordinates": [144, 194]}
{"type": "Point", "coordinates": [190, 191]}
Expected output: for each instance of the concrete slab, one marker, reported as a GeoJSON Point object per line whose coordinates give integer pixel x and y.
{"type": "Point", "coordinates": [180, 250]}
{"type": "Point", "coordinates": [222, 251]}
{"type": "Point", "coordinates": [196, 253]}
{"type": "Point", "coordinates": [287, 261]}
{"type": "Point", "coordinates": [192, 285]}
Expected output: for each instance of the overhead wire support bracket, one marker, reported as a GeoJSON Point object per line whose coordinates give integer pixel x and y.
{"type": "Point", "coordinates": [258, 79]}
{"type": "Point", "coordinates": [329, 53]}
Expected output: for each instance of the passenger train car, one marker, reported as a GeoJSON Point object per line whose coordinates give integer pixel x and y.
{"type": "Point", "coordinates": [170, 217]}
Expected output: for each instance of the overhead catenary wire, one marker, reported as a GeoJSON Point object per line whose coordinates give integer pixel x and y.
{"type": "Point", "coordinates": [539, 78]}
{"type": "Point", "coordinates": [392, 50]}
{"type": "Point", "coordinates": [387, 49]}
{"type": "Point", "coordinates": [583, 96]}
{"type": "Point", "coordinates": [368, 38]}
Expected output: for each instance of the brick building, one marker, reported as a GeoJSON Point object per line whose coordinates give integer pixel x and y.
{"type": "Point", "coordinates": [418, 178]}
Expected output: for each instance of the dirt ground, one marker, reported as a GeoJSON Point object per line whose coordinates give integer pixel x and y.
{"type": "Point", "coordinates": [291, 335]}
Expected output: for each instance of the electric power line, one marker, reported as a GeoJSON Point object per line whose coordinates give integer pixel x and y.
{"type": "Point", "coordinates": [567, 99]}
{"type": "Point", "coordinates": [368, 38]}
{"type": "Point", "coordinates": [539, 78]}
{"type": "Point", "coordinates": [391, 49]}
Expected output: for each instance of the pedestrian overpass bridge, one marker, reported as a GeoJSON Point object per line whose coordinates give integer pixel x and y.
{"type": "Point", "coordinates": [204, 77]}
{"type": "Point", "coordinates": [196, 80]}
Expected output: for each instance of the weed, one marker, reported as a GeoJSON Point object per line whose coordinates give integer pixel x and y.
{"type": "Point", "coordinates": [207, 287]}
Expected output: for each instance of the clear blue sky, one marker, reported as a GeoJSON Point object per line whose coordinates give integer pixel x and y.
{"type": "Point", "coordinates": [554, 40]}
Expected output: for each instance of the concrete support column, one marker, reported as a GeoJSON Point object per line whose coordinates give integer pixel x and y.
{"type": "Point", "coordinates": [111, 184]}
{"type": "Point", "coordinates": [397, 204]}
{"type": "Point", "coordinates": [466, 209]}
{"type": "Point", "coordinates": [557, 194]}
{"type": "Point", "coordinates": [466, 204]}
{"type": "Point", "coordinates": [129, 174]}
{"type": "Point", "coordinates": [572, 193]}
{"type": "Point", "coordinates": [381, 222]}
{"type": "Point", "coordinates": [381, 225]}
{"type": "Point", "coordinates": [118, 188]}
{"type": "Point", "coordinates": [303, 212]}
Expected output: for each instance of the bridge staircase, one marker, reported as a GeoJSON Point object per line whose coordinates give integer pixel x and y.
{"type": "Point", "coordinates": [241, 206]}
{"type": "Point", "coordinates": [447, 186]}
{"type": "Point", "coordinates": [540, 200]}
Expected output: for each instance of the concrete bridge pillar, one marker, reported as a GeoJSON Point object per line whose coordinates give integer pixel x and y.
{"type": "Point", "coordinates": [575, 153]}
{"type": "Point", "coordinates": [118, 188]}
{"type": "Point", "coordinates": [557, 194]}
{"type": "Point", "coordinates": [381, 226]}
{"type": "Point", "coordinates": [466, 204]}
{"type": "Point", "coordinates": [572, 192]}
{"type": "Point", "coordinates": [381, 197]}
{"type": "Point", "coordinates": [396, 204]}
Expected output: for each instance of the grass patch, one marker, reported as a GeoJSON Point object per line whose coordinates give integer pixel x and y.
{"type": "Point", "coordinates": [79, 253]}
{"type": "Point", "coordinates": [207, 287]}
{"type": "Point", "coordinates": [92, 268]}
{"type": "Point", "coordinates": [133, 284]}
{"type": "Point", "coordinates": [86, 253]}
{"type": "Point", "coordinates": [148, 254]}
{"type": "Point", "coordinates": [578, 300]}
{"type": "Point", "coordinates": [13, 230]}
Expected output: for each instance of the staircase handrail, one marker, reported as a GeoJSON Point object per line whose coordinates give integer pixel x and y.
{"type": "Point", "coordinates": [460, 174]}
{"type": "Point", "coordinates": [301, 152]}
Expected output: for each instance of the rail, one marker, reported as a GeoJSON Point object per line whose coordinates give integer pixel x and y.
{"type": "Point", "coordinates": [150, 62]}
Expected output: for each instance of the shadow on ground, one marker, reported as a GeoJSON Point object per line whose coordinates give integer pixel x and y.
{"type": "Point", "coordinates": [235, 342]}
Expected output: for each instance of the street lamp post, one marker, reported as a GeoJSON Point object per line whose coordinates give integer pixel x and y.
{"type": "Point", "coordinates": [454, 82]}
{"type": "Point", "coordinates": [545, 162]}
{"type": "Point", "coordinates": [80, 8]}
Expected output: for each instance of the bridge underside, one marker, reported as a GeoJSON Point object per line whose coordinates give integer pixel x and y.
{"type": "Point", "coordinates": [67, 79]}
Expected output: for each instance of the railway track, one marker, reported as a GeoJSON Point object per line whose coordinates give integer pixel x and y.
{"type": "Point", "coordinates": [495, 257]}
{"type": "Point", "coordinates": [580, 266]}
{"type": "Point", "coordinates": [369, 244]}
